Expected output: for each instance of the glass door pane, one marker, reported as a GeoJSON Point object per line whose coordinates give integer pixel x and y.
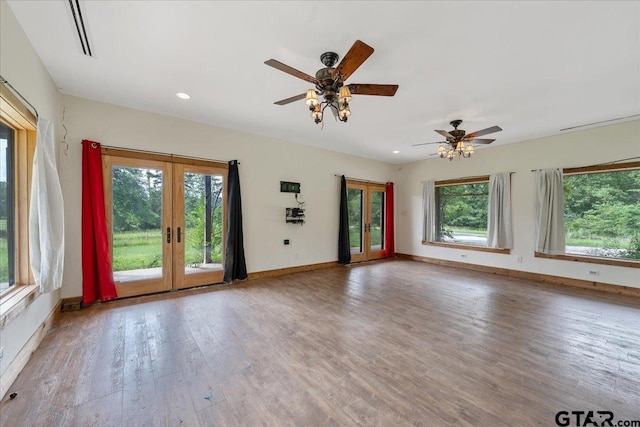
{"type": "Point", "coordinates": [203, 232]}
{"type": "Point", "coordinates": [377, 221]}
{"type": "Point", "coordinates": [136, 223]}
{"type": "Point", "coordinates": [355, 204]}
{"type": "Point", "coordinates": [199, 208]}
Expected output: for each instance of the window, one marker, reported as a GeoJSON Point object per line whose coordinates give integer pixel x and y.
{"type": "Point", "coordinates": [602, 211]}
{"type": "Point", "coordinates": [462, 213]}
{"type": "Point", "coordinates": [457, 214]}
{"type": "Point", "coordinates": [17, 147]}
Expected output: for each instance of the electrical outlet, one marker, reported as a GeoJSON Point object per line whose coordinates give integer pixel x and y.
{"type": "Point", "coordinates": [594, 273]}
{"type": "Point", "coordinates": [296, 255]}
{"type": "Point", "coordinates": [463, 256]}
{"type": "Point", "coordinates": [519, 259]}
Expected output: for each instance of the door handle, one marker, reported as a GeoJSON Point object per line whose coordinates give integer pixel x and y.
{"type": "Point", "coordinates": [179, 234]}
{"type": "Point", "coordinates": [168, 234]}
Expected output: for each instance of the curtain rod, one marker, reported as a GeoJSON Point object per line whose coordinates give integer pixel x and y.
{"type": "Point", "coordinates": [14, 90]}
{"type": "Point", "coordinates": [613, 162]}
{"type": "Point", "coordinates": [470, 177]}
{"type": "Point", "coordinates": [165, 154]}
{"type": "Point", "coordinates": [360, 180]}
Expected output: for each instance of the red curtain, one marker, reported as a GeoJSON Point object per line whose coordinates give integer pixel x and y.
{"type": "Point", "coordinates": [97, 271]}
{"type": "Point", "coordinates": [389, 235]}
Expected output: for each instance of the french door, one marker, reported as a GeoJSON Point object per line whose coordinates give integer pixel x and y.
{"type": "Point", "coordinates": [166, 223]}
{"type": "Point", "coordinates": [366, 207]}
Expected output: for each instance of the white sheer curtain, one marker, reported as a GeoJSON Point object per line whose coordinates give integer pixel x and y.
{"type": "Point", "coordinates": [549, 212]}
{"type": "Point", "coordinates": [429, 211]}
{"type": "Point", "coordinates": [499, 232]}
{"type": "Point", "coordinates": [46, 213]}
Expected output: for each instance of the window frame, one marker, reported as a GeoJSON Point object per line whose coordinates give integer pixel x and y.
{"type": "Point", "coordinates": [23, 122]}
{"type": "Point", "coordinates": [615, 167]}
{"type": "Point", "coordinates": [463, 181]}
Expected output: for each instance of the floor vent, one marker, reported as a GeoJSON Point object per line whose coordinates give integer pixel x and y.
{"type": "Point", "coordinates": [71, 304]}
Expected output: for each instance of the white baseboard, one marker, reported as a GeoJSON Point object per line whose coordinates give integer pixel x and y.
{"type": "Point", "coordinates": [20, 361]}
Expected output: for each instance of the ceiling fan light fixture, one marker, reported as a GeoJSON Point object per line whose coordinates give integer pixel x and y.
{"type": "Point", "coordinates": [344, 113]}
{"type": "Point", "coordinates": [459, 143]}
{"type": "Point", "coordinates": [330, 83]}
{"type": "Point", "coordinates": [344, 97]}
{"type": "Point", "coordinates": [316, 113]}
{"type": "Point", "coordinates": [311, 98]}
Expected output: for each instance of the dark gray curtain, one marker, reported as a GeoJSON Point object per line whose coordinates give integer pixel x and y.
{"type": "Point", "coordinates": [234, 263]}
{"type": "Point", "coordinates": [344, 247]}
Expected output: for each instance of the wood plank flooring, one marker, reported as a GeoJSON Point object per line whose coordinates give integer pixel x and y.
{"type": "Point", "coordinates": [389, 343]}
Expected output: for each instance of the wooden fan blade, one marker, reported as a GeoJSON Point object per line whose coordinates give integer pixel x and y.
{"type": "Point", "coordinates": [445, 134]}
{"type": "Point", "coordinates": [486, 131]}
{"type": "Point", "coordinates": [292, 99]}
{"type": "Point", "coordinates": [372, 89]}
{"type": "Point", "coordinates": [358, 53]}
{"type": "Point", "coordinates": [290, 70]}
{"type": "Point", "coordinates": [479, 141]}
{"type": "Point", "coordinates": [427, 143]}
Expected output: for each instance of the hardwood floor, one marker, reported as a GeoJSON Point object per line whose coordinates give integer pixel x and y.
{"type": "Point", "coordinates": [388, 343]}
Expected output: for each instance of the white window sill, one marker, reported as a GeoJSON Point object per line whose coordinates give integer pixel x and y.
{"type": "Point", "coordinates": [593, 260]}
{"type": "Point", "coordinates": [14, 301]}
{"type": "Point", "coordinates": [468, 247]}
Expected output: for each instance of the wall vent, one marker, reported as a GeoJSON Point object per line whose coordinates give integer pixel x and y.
{"type": "Point", "coordinates": [81, 29]}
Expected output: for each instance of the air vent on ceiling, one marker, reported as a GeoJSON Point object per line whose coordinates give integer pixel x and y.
{"type": "Point", "coordinates": [601, 122]}
{"type": "Point", "coordinates": [76, 12]}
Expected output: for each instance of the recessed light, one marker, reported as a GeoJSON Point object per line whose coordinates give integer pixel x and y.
{"type": "Point", "coordinates": [396, 152]}
{"type": "Point", "coordinates": [183, 95]}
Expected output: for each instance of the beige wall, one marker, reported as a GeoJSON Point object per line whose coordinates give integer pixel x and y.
{"type": "Point", "coordinates": [573, 149]}
{"type": "Point", "coordinates": [21, 66]}
{"type": "Point", "coordinates": [264, 163]}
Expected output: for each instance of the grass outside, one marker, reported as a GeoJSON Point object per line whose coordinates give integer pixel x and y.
{"type": "Point", "coordinates": [468, 231]}
{"type": "Point", "coordinates": [4, 260]}
{"type": "Point", "coordinates": [133, 250]}
{"type": "Point", "coordinates": [354, 236]}
{"type": "Point", "coordinates": [4, 252]}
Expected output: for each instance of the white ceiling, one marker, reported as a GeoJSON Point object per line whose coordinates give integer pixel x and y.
{"type": "Point", "coordinates": [532, 68]}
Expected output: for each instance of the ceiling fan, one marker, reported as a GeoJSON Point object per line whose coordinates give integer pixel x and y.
{"type": "Point", "coordinates": [330, 83]}
{"type": "Point", "coordinates": [459, 142]}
